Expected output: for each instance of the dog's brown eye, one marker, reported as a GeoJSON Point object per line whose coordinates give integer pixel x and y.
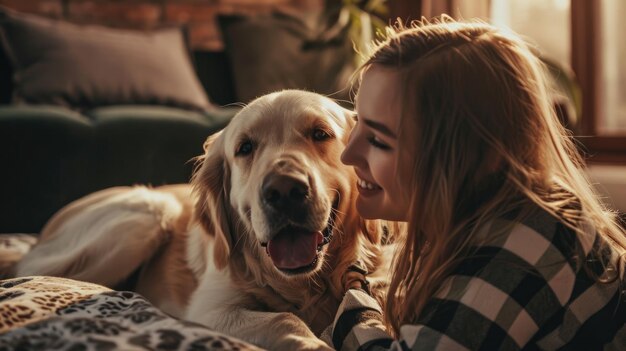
{"type": "Point", "coordinates": [244, 149]}
{"type": "Point", "coordinates": [320, 135]}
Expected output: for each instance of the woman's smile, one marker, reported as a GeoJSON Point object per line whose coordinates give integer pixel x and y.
{"type": "Point", "coordinates": [367, 189]}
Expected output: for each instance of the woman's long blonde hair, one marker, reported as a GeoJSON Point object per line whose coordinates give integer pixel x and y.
{"type": "Point", "coordinates": [476, 116]}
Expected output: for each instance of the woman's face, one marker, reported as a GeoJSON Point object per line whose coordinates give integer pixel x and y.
{"type": "Point", "coordinates": [373, 148]}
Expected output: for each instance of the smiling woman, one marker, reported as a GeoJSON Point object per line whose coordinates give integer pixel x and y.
{"type": "Point", "coordinates": [505, 237]}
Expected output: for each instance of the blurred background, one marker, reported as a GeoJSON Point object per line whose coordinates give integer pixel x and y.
{"type": "Point", "coordinates": [125, 131]}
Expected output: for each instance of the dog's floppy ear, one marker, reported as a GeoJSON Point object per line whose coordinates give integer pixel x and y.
{"type": "Point", "coordinates": [210, 183]}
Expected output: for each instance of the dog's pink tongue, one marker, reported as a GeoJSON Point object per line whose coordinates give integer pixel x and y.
{"type": "Point", "coordinates": [291, 250]}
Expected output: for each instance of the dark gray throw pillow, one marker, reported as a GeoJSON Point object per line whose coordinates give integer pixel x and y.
{"type": "Point", "coordinates": [84, 66]}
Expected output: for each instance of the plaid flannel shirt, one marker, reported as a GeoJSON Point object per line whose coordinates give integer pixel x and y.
{"type": "Point", "coordinates": [522, 289]}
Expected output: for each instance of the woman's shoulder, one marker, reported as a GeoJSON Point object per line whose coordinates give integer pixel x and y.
{"type": "Point", "coordinates": [536, 237]}
{"type": "Point", "coordinates": [529, 269]}
{"type": "Point", "coordinates": [539, 246]}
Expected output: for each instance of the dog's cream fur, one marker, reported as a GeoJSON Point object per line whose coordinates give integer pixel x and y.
{"type": "Point", "coordinates": [199, 248]}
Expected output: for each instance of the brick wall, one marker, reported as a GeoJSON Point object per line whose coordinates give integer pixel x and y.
{"type": "Point", "coordinates": [200, 16]}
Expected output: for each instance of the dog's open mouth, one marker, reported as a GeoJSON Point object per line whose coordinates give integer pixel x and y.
{"type": "Point", "coordinates": [296, 250]}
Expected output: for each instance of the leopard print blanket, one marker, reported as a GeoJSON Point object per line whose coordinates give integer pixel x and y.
{"type": "Point", "coordinates": [48, 313]}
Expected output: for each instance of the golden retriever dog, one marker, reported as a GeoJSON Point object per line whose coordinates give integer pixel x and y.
{"type": "Point", "coordinates": [255, 247]}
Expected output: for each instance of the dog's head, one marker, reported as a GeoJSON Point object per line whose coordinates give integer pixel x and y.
{"type": "Point", "coordinates": [275, 175]}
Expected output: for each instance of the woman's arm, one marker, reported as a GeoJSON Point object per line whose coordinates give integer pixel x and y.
{"type": "Point", "coordinates": [359, 324]}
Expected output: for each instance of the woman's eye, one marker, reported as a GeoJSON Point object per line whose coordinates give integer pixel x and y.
{"type": "Point", "coordinates": [378, 144]}
{"type": "Point", "coordinates": [320, 135]}
{"type": "Point", "coordinates": [244, 149]}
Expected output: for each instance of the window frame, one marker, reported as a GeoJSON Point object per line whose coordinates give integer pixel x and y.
{"type": "Point", "coordinates": [587, 65]}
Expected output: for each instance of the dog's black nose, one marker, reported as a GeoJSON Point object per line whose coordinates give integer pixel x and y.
{"type": "Point", "coordinates": [284, 192]}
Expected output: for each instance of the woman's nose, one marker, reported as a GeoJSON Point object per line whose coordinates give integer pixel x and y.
{"type": "Point", "coordinates": [347, 156]}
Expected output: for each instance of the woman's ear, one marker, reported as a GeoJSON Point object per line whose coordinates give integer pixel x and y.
{"type": "Point", "coordinates": [210, 183]}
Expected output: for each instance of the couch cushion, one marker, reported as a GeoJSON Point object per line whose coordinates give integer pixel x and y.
{"type": "Point", "coordinates": [84, 66]}
{"type": "Point", "coordinates": [150, 145]}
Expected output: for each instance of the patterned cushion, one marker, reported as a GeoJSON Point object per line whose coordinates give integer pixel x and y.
{"type": "Point", "coordinates": [48, 313]}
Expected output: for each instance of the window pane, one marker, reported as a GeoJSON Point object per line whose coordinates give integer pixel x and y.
{"type": "Point", "coordinates": [613, 76]}
{"type": "Point", "coordinates": [545, 23]}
